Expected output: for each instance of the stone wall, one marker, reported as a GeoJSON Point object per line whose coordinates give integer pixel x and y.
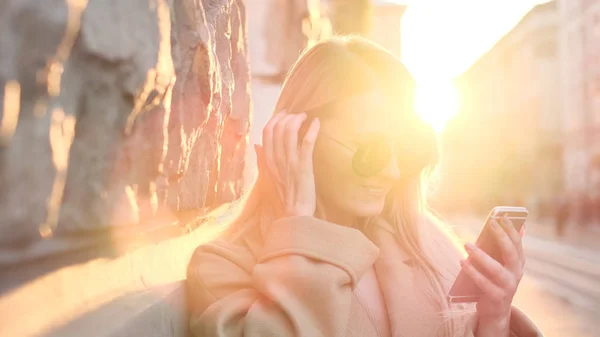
{"type": "Point", "coordinates": [117, 117]}
{"type": "Point", "coordinates": [123, 126]}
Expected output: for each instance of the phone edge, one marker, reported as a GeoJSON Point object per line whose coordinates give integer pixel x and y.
{"type": "Point", "coordinates": [494, 213]}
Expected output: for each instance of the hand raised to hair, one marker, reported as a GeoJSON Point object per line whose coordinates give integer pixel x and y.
{"type": "Point", "coordinates": [289, 160]}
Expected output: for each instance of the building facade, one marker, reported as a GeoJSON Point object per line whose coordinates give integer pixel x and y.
{"type": "Point", "coordinates": [505, 146]}
{"type": "Point", "coordinates": [386, 28]}
{"type": "Point", "coordinates": [580, 64]}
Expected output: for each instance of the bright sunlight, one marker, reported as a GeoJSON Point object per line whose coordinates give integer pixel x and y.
{"type": "Point", "coordinates": [437, 102]}
{"type": "Point", "coordinates": [441, 39]}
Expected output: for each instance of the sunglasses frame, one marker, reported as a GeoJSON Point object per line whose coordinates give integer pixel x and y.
{"type": "Point", "coordinates": [355, 159]}
{"type": "Point", "coordinates": [428, 158]}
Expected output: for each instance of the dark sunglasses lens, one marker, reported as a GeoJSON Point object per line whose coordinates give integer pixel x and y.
{"type": "Point", "coordinates": [372, 158]}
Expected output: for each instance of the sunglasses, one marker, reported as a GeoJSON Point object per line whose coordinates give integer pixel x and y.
{"type": "Point", "coordinates": [373, 155]}
{"type": "Point", "coordinates": [418, 150]}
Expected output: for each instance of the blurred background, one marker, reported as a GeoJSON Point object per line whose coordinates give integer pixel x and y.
{"type": "Point", "coordinates": [512, 89]}
{"type": "Point", "coordinates": [127, 132]}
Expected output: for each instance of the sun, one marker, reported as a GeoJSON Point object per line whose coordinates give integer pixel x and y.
{"type": "Point", "coordinates": [437, 102]}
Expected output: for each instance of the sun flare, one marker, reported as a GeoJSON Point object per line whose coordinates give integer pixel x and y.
{"type": "Point", "coordinates": [439, 42]}
{"type": "Point", "coordinates": [437, 102]}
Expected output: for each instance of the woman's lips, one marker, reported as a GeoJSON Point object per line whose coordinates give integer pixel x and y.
{"type": "Point", "coordinates": [375, 189]}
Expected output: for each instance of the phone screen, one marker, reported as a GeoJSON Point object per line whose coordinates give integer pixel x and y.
{"type": "Point", "coordinates": [487, 241]}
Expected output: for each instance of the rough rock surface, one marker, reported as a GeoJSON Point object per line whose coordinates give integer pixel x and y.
{"type": "Point", "coordinates": [211, 106]}
{"type": "Point", "coordinates": [114, 110]}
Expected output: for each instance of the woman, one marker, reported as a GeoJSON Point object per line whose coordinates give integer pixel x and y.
{"type": "Point", "coordinates": [335, 238]}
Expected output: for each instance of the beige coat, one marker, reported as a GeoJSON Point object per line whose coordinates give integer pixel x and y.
{"type": "Point", "coordinates": [300, 281]}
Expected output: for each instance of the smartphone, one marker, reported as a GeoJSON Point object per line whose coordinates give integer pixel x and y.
{"type": "Point", "coordinates": [464, 290]}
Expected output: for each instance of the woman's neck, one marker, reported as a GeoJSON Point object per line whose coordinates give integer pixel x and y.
{"type": "Point", "coordinates": [339, 217]}
{"type": "Point", "coordinates": [330, 212]}
{"type": "Point", "coordinates": [342, 220]}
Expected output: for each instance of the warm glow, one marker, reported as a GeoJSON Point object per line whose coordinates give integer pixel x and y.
{"type": "Point", "coordinates": [441, 39]}
{"type": "Point", "coordinates": [437, 102]}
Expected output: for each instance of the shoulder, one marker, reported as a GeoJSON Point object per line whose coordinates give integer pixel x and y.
{"type": "Point", "coordinates": [217, 269]}
{"type": "Point", "coordinates": [220, 254]}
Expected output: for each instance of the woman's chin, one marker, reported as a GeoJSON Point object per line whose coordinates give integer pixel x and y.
{"type": "Point", "coordinates": [369, 209]}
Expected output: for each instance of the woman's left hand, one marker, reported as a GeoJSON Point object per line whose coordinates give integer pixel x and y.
{"type": "Point", "coordinates": [497, 281]}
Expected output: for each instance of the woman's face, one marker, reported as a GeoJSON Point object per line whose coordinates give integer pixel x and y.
{"type": "Point", "coordinates": [356, 120]}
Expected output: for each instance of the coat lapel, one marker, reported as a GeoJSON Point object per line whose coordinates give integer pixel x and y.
{"type": "Point", "coordinates": [410, 312]}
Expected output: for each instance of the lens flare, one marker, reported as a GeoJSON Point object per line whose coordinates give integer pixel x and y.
{"type": "Point", "coordinates": [437, 102]}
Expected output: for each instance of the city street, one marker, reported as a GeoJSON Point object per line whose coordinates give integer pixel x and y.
{"type": "Point", "coordinates": [561, 289]}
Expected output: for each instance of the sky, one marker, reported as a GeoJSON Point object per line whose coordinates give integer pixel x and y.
{"type": "Point", "coordinates": [443, 38]}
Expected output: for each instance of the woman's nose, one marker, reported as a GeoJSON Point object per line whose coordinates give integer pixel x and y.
{"type": "Point", "coordinates": [391, 170]}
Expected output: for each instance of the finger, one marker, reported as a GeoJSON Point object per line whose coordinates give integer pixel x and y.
{"type": "Point", "coordinates": [267, 147]}
{"type": "Point", "coordinates": [308, 145]}
{"type": "Point", "coordinates": [263, 169]}
{"type": "Point", "coordinates": [260, 159]}
{"type": "Point", "coordinates": [491, 267]}
{"type": "Point", "coordinates": [510, 255]}
{"type": "Point", "coordinates": [483, 283]}
{"type": "Point", "coordinates": [291, 138]}
{"type": "Point", "coordinates": [279, 145]}
{"type": "Point", "coordinates": [513, 235]}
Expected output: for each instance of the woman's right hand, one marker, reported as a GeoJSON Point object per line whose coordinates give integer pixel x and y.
{"type": "Point", "coordinates": [289, 160]}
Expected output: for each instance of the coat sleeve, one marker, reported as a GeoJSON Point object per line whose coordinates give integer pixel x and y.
{"type": "Point", "coordinates": [300, 286]}
{"type": "Point", "coordinates": [520, 325]}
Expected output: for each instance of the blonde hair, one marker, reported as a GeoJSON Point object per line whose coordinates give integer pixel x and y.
{"type": "Point", "coordinates": [336, 69]}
